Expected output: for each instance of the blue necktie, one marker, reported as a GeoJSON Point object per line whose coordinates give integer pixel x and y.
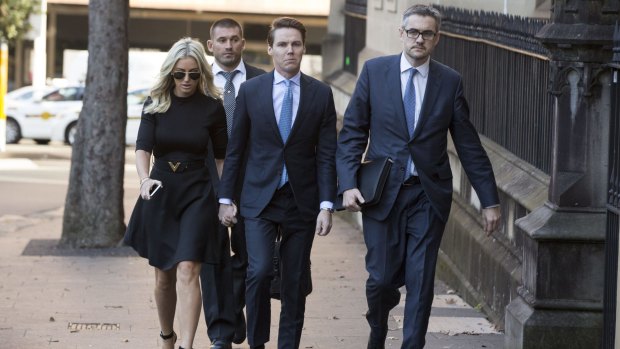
{"type": "Point", "coordinates": [286, 120]}
{"type": "Point", "coordinates": [229, 98]}
{"type": "Point", "coordinates": [409, 104]}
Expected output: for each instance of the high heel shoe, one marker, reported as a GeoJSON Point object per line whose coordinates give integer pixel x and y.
{"type": "Point", "coordinates": [166, 337]}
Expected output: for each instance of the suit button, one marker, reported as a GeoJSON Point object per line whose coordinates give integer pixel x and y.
{"type": "Point", "coordinates": [402, 169]}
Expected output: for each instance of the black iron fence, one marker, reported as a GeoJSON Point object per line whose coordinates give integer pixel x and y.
{"type": "Point", "coordinates": [506, 78]}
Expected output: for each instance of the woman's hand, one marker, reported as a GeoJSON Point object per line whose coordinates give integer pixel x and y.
{"type": "Point", "coordinates": [146, 186]}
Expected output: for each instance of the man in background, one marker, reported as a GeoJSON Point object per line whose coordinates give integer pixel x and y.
{"type": "Point", "coordinates": [223, 285]}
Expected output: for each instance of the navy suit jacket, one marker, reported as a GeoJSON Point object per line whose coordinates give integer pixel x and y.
{"type": "Point", "coordinates": [309, 152]}
{"type": "Point", "coordinates": [250, 72]}
{"type": "Point", "coordinates": [376, 110]}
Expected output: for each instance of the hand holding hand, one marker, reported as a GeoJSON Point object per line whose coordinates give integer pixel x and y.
{"type": "Point", "coordinates": [323, 223]}
{"type": "Point", "coordinates": [351, 199]}
{"type": "Point", "coordinates": [227, 215]}
{"type": "Point", "coordinates": [491, 217]}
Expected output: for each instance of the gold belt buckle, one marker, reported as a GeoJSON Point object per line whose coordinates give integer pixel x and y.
{"type": "Point", "coordinates": [174, 166]}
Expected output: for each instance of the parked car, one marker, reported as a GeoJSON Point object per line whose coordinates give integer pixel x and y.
{"type": "Point", "coordinates": [55, 116]}
{"type": "Point", "coordinates": [13, 101]}
{"type": "Point", "coordinates": [64, 126]}
{"type": "Point", "coordinates": [33, 118]}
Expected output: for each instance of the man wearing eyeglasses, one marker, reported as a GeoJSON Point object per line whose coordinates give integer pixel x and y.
{"type": "Point", "coordinates": [409, 102]}
{"type": "Point", "coordinates": [223, 285]}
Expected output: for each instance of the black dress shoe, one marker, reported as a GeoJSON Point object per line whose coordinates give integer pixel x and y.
{"type": "Point", "coordinates": [240, 330]}
{"type": "Point", "coordinates": [218, 344]}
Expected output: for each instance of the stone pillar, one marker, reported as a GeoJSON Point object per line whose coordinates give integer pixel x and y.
{"type": "Point", "coordinates": [333, 43]}
{"type": "Point", "coordinates": [561, 298]}
{"type": "Point", "coordinates": [611, 312]}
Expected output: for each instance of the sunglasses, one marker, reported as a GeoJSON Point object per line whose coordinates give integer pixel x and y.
{"type": "Point", "coordinates": [180, 75]}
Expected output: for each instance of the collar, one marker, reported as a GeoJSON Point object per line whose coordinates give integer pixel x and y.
{"type": "Point", "coordinates": [405, 65]}
{"type": "Point", "coordinates": [277, 78]}
{"type": "Point", "coordinates": [216, 69]}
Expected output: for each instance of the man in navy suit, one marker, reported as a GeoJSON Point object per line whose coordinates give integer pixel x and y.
{"type": "Point", "coordinates": [285, 124]}
{"type": "Point", "coordinates": [407, 103]}
{"type": "Point", "coordinates": [223, 285]}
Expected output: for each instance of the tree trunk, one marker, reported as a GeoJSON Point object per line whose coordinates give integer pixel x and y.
{"type": "Point", "coordinates": [94, 215]}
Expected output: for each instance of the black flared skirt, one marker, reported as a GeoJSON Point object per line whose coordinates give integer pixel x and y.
{"type": "Point", "coordinates": [180, 221]}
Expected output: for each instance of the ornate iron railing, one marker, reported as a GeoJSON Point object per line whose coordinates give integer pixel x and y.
{"type": "Point", "coordinates": [506, 79]}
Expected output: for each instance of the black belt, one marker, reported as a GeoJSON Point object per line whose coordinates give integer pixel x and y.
{"type": "Point", "coordinates": [413, 180]}
{"type": "Point", "coordinates": [178, 166]}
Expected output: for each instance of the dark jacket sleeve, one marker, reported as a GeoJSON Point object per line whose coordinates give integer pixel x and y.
{"type": "Point", "coordinates": [235, 152]}
{"type": "Point", "coordinates": [353, 137]}
{"type": "Point", "coordinates": [146, 131]}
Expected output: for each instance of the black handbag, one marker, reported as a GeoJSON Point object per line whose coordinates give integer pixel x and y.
{"type": "Point", "coordinates": [371, 178]}
{"type": "Point", "coordinates": [277, 273]}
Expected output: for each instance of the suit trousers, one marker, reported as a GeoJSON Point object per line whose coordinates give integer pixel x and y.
{"type": "Point", "coordinates": [297, 236]}
{"type": "Point", "coordinates": [218, 303]}
{"type": "Point", "coordinates": [402, 250]}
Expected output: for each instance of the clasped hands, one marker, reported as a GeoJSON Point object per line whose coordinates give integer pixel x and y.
{"type": "Point", "coordinates": [228, 214]}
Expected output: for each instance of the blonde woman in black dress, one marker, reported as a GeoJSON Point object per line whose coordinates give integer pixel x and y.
{"type": "Point", "coordinates": [175, 227]}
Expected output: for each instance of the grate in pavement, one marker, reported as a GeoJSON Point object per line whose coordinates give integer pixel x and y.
{"type": "Point", "coordinates": [93, 326]}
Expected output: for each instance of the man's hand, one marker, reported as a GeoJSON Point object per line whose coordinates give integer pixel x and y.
{"type": "Point", "coordinates": [351, 199]}
{"type": "Point", "coordinates": [491, 217]}
{"type": "Point", "coordinates": [323, 223]}
{"type": "Point", "coordinates": [227, 215]}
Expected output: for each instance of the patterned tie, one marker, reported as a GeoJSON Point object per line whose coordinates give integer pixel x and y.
{"type": "Point", "coordinates": [229, 98]}
{"type": "Point", "coordinates": [409, 104]}
{"type": "Point", "coordinates": [286, 120]}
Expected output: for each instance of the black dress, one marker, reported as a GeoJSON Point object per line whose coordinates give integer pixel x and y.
{"type": "Point", "coordinates": [179, 222]}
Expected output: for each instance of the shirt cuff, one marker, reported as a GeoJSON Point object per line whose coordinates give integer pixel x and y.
{"type": "Point", "coordinates": [225, 201]}
{"type": "Point", "coordinates": [325, 205]}
{"type": "Point", "coordinates": [492, 206]}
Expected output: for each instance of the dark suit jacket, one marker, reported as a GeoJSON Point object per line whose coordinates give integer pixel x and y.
{"type": "Point", "coordinates": [250, 72]}
{"type": "Point", "coordinates": [309, 151]}
{"type": "Point", "coordinates": [376, 109]}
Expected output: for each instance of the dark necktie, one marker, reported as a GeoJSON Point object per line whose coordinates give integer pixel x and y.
{"type": "Point", "coordinates": [229, 98]}
{"type": "Point", "coordinates": [409, 104]}
{"type": "Point", "coordinates": [286, 120]}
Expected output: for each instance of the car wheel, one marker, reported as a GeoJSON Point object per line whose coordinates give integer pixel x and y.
{"type": "Point", "coordinates": [70, 132]}
{"type": "Point", "coordinates": [13, 131]}
{"type": "Point", "coordinates": [42, 141]}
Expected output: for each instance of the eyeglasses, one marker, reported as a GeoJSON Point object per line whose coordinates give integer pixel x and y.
{"type": "Point", "coordinates": [180, 75]}
{"type": "Point", "coordinates": [415, 34]}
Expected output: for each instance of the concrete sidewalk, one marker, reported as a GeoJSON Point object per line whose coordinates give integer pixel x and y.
{"type": "Point", "coordinates": [52, 298]}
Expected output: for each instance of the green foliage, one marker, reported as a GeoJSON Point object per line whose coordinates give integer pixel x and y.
{"type": "Point", "coordinates": [14, 18]}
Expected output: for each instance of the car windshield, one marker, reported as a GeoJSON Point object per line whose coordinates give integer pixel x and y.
{"type": "Point", "coordinates": [65, 94]}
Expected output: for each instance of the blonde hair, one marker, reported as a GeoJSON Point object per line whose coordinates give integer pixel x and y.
{"type": "Point", "coordinates": [184, 48]}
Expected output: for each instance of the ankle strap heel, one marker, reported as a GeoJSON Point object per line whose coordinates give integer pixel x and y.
{"type": "Point", "coordinates": [168, 336]}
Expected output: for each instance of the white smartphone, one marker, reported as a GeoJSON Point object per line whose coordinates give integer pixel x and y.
{"type": "Point", "coordinates": [154, 189]}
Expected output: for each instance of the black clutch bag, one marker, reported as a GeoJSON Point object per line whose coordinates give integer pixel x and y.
{"type": "Point", "coordinates": [371, 178]}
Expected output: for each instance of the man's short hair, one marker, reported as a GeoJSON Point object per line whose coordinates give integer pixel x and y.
{"type": "Point", "coordinates": [286, 22]}
{"type": "Point", "coordinates": [424, 11]}
{"type": "Point", "coordinates": [225, 23]}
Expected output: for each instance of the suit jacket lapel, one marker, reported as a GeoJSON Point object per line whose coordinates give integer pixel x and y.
{"type": "Point", "coordinates": [306, 93]}
{"type": "Point", "coordinates": [432, 91]}
{"type": "Point", "coordinates": [266, 94]}
{"type": "Point", "coordinates": [396, 99]}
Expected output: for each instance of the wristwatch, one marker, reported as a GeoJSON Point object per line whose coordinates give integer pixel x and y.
{"type": "Point", "coordinates": [331, 210]}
